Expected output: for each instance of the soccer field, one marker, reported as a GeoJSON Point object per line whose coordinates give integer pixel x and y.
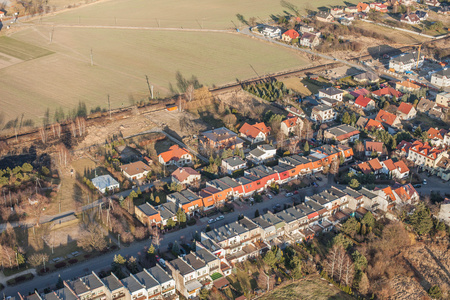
{"type": "Point", "coordinates": [122, 58]}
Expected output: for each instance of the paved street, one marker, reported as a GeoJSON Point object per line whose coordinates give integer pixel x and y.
{"type": "Point", "coordinates": [137, 248]}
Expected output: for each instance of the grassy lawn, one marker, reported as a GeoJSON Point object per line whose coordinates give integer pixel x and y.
{"type": "Point", "coordinates": [122, 58]}
{"type": "Point", "coordinates": [310, 288]}
{"type": "Point", "coordinates": [398, 36]}
{"type": "Point", "coordinates": [296, 84]}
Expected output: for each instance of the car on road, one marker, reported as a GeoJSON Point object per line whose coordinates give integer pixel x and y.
{"type": "Point", "coordinates": [417, 186]}
{"type": "Point", "coordinates": [269, 196]}
{"type": "Point", "coordinates": [210, 221]}
{"type": "Point", "coordinates": [315, 184]}
{"type": "Point", "coordinates": [220, 218]}
{"type": "Point", "coordinates": [319, 178]}
{"type": "Point", "coordinates": [424, 181]}
{"type": "Point", "coordinates": [289, 194]}
{"type": "Point", "coordinates": [162, 262]}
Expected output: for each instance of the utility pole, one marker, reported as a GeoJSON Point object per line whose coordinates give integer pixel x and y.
{"type": "Point", "coordinates": [109, 105]}
{"type": "Point", "coordinates": [51, 34]}
{"type": "Point", "coordinates": [157, 21]}
{"type": "Point", "coordinates": [150, 89]}
{"type": "Point", "coordinates": [92, 58]}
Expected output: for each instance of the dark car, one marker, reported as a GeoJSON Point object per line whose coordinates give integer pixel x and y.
{"type": "Point", "coordinates": [319, 178]}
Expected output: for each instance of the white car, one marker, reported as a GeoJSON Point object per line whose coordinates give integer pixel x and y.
{"type": "Point", "coordinates": [289, 194]}
{"type": "Point", "coordinates": [269, 196]}
{"type": "Point", "coordinates": [424, 181]}
{"type": "Point", "coordinates": [220, 218]}
{"type": "Point", "coordinates": [210, 221]}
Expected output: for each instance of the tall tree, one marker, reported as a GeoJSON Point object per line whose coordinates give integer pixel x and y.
{"type": "Point", "coordinates": [91, 238]}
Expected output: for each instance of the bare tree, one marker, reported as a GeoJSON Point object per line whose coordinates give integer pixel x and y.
{"type": "Point", "coordinates": [189, 94]}
{"type": "Point", "coordinates": [348, 271]}
{"type": "Point", "coordinates": [81, 125]}
{"type": "Point", "coordinates": [156, 237]}
{"type": "Point", "coordinates": [73, 129]}
{"type": "Point", "coordinates": [56, 128]}
{"type": "Point", "coordinates": [37, 259]}
{"type": "Point", "coordinates": [334, 166]}
{"type": "Point", "coordinates": [63, 155]}
{"type": "Point", "coordinates": [43, 134]}
{"type": "Point", "coordinates": [91, 238]}
{"type": "Point", "coordinates": [332, 260]}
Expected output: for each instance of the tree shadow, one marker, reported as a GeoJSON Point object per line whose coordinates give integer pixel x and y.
{"type": "Point", "coordinates": [380, 50]}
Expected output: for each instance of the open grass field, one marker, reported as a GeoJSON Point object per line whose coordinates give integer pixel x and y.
{"type": "Point", "coordinates": [400, 37]}
{"type": "Point", "coordinates": [218, 14]}
{"type": "Point", "coordinates": [312, 288]}
{"type": "Point", "coordinates": [122, 58]}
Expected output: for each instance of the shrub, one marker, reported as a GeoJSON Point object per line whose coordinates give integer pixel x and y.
{"type": "Point", "coordinates": [61, 264]}
{"type": "Point", "coordinates": [191, 222]}
{"type": "Point", "coordinates": [73, 261]}
{"type": "Point", "coordinates": [44, 270]}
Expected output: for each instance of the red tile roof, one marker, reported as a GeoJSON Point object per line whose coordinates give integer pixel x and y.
{"type": "Point", "coordinates": [404, 146]}
{"type": "Point", "coordinates": [372, 124]}
{"type": "Point", "coordinates": [174, 153]}
{"type": "Point", "coordinates": [362, 101]}
{"type": "Point", "coordinates": [401, 166]}
{"type": "Point", "coordinates": [292, 34]}
{"type": "Point", "coordinates": [365, 168]}
{"type": "Point", "coordinates": [425, 150]}
{"type": "Point", "coordinates": [261, 126]}
{"type": "Point", "coordinates": [405, 108]}
{"type": "Point", "coordinates": [389, 164]}
{"type": "Point", "coordinates": [373, 146]}
{"type": "Point", "coordinates": [386, 117]}
{"type": "Point", "coordinates": [408, 84]}
{"type": "Point", "coordinates": [387, 91]}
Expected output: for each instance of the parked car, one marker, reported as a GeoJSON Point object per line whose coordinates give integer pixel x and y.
{"type": "Point", "coordinates": [417, 186]}
{"type": "Point", "coordinates": [319, 178]}
{"type": "Point", "coordinates": [315, 184]}
{"type": "Point", "coordinates": [220, 218]}
{"type": "Point", "coordinates": [210, 221]}
{"type": "Point", "coordinates": [269, 196]}
{"type": "Point", "coordinates": [295, 192]}
{"type": "Point", "coordinates": [289, 194]}
{"type": "Point", "coordinates": [162, 262]}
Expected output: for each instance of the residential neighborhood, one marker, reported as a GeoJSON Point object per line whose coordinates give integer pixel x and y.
{"type": "Point", "coordinates": [317, 168]}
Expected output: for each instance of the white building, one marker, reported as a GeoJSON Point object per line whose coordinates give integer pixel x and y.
{"type": "Point", "coordinates": [136, 170]}
{"type": "Point", "coordinates": [406, 62]}
{"type": "Point", "coordinates": [332, 93]}
{"type": "Point", "coordinates": [441, 78]}
{"type": "Point", "coordinates": [323, 113]}
{"type": "Point", "coordinates": [232, 164]}
{"type": "Point", "coordinates": [262, 153]}
{"type": "Point", "coordinates": [104, 183]}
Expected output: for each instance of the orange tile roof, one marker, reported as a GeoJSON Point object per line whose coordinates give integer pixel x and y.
{"type": "Point", "coordinates": [404, 146]}
{"type": "Point", "coordinates": [389, 164]}
{"type": "Point", "coordinates": [433, 133]}
{"type": "Point", "coordinates": [388, 191]}
{"type": "Point", "coordinates": [373, 146]}
{"type": "Point", "coordinates": [252, 131]}
{"type": "Point", "coordinates": [135, 168]}
{"type": "Point", "coordinates": [401, 166]}
{"type": "Point", "coordinates": [372, 124]}
{"type": "Point", "coordinates": [291, 122]}
{"type": "Point", "coordinates": [362, 6]}
{"type": "Point", "coordinates": [174, 153]}
{"type": "Point", "coordinates": [405, 108]}
{"type": "Point", "coordinates": [386, 117]}
{"type": "Point", "coordinates": [408, 84]}
{"type": "Point", "coordinates": [365, 168]}
{"type": "Point", "coordinates": [387, 91]}
{"type": "Point", "coordinates": [425, 150]}
{"type": "Point", "coordinates": [375, 164]}
{"type": "Point", "coordinates": [362, 101]}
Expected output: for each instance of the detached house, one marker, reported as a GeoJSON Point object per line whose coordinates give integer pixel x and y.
{"type": "Point", "coordinates": [309, 40]}
{"type": "Point", "coordinates": [185, 175]}
{"type": "Point", "coordinates": [233, 164]}
{"type": "Point", "coordinates": [136, 170]}
{"type": "Point", "coordinates": [441, 78]}
{"type": "Point", "coordinates": [371, 147]}
{"type": "Point", "coordinates": [397, 170]}
{"type": "Point", "coordinates": [436, 136]}
{"type": "Point", "coordinates": [378, 7]}
{"type": "Point", "coordinates": [411, 19]}
{"type": "Point", "coordinates": [220, 138]}
{"type": "Point", "coordinates": [406, 62]}
{"type": "Point", "coordinates": [407, 87]}
{"type": "Point", "coordinates": [262, 153]}
{"type": "Point", "coordinates": [332, 93]}
{"type": "Point", "coordinates": [324, 16]}
{"type": "Point", "coordinates": [406, 111]}
{"type": "Point", "coordinates": [289, 126]}
{"type": "Point", "coordinates": [342, 133]}
{"type": "Point", "coordinates": [386, 92]}
{"type": "Point", "coordinates": [290, 35]}
{"type": "Point", "coordinates": [323, 113]}
{"type": "Point", "coordinates": [373, 125]}
{"type": "Point", "coordinates": [387, 118]}
{"type": "Point", "coordinates": [147, 214]}
{"type": "Point", "coordinates": [175, 156]}
{"type": "Point", "coordinates": [365, 103]}
{"type": "Point", "coordinates": [255, 133]}
{"type": "Point", "coordinates": [443, 99]}
{"type": "Point", "coordinates": [432, 2]}
{"type": "Point", "coordinates": [363, 7]}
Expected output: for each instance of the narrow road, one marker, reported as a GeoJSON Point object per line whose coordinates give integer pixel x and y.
{"type": "Point", "coordinates": [137, 248]}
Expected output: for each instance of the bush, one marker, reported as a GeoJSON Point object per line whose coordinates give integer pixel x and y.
{"type": "Point", "coordinates": [61, 264]}
{"type": "Point", "coordinates": [73, 261]}
{"type": "Point", "coordinates": [191, 222]}
{"type": "Point", "coordinates": [20, 279]}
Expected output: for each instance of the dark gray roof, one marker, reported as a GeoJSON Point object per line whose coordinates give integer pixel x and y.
{"type": "Point", "coordinates": [259, 171]}
{"type": "Point", "coordinates": [261, 222]}
{"type": "Point", "coordinates": [370, 76]}
{"type": "Point", "coordinates": [196, 262]}
{"type": "Point", "coordinates": [146, 279]}
{"type": "Point", "coordinates": [352, 193]}
{"type": "Point", "coordinates": [206, 255]}
{"type": "Point", "coordinates": [266, 147]}
{"type": "Point", "coordinates": [147, 209]}
{"type": "Point", "coordinates": [247, 223]}
{"type": "Point", "coordinates": [367, 193]}
{"type": "Point", "coordinates": [219, 134]}
{"type": "Point", "coordinates": [286, 216]}
{"type": "Point", "coordinates": [257, 152]}
{"type": "Point", "coordinates": [445, 72]}
{"type": "Point", "coordinates": [331, 91]}
{"type": "Point", "coordinates": [181, 266]}
{"type": "Point", "coordinates": [234, 161]}
{"type": "Point", "coordinates": [322, 107]}
{"type": "Point", "coordinates": [341, 130]}
{"type": "Point", "coordinates": [84, 284]}
{"type": "Point", "coordinates": [132, 284]}
{"type": "Point", "coordinates": [112, 282]}
{"type": "Point", "coordinates": [211, 245]}
{"type": "Point", "coordinates": [224, 183]}
{"type": "Point", "coordinates": [183, 197]}
{"type": "Point", "coordinates": [167, 210]}
{"type": "Point", "coordinates": [159, 274]}
{"type": "Point", "coordinates": [405, 58]}
{"type": "Point", "coordinates": [61, 294]}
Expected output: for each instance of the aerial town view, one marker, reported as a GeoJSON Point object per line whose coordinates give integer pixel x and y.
{"type": "Point", "coordinates": [212, 149]}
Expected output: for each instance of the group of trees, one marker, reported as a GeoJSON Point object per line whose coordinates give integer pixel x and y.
{"type": "Point", "coordinates": [270, 91]}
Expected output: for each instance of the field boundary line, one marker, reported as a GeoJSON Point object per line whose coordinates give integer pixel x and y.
{"type": "Point", "coordinates": [137, 28]}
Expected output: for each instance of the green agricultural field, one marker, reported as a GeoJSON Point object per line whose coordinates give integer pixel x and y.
{"type": "Point", "coordinates": [122, 58]}
{"type": "Point", "coordinates": [21, 50]}
{"type": "Point", "coordinates": [217, 14]}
